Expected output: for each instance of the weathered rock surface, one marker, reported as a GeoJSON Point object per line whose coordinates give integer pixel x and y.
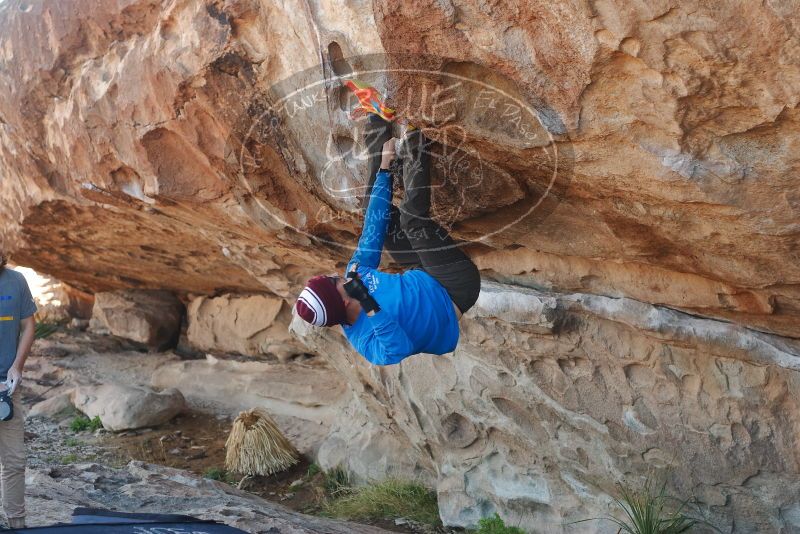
{"type": "Point", "coordinates": [54, 493]}
{"type": "Point", "coordinates": [149, 317]}
{"type": "Point", "coordinates": [681, 121]}
{"type": "Point", "coordinates": [304, 391]}
{"type": "Point", "coordinates": [52, 407]}
{"type": "Point", "coordinates": [550, 400]}
{"type": "Point", "coordinates": [249, 324]}
{"type": "Point", "coordinates": [669, 247]}
{"type": "Point", "coordinates": [123, 407]}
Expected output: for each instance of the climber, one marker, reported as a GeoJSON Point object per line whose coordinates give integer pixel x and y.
{"type": "Point", "coordinates": [16, 337]}
{"type": "Point", "coordinates": [388, 317]}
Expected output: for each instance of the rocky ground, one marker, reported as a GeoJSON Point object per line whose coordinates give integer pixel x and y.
{"type": "Point", "coordinates": [54, 491]}
{"type": "Point", "coordinates": [168, 468]}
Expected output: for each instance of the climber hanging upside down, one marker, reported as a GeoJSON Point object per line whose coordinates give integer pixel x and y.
{"type": "Point", "coordinates": [388, 317]}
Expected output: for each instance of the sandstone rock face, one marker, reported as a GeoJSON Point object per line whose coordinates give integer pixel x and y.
{"type": "Point", "coordinates": [146, 488]}
{"type": "Point", "coordinates": [149, 317]}
{"type": "Point", "coordinates": [251, 325]}
{"type": "Point", "coordinates": [150, 145]}
{"type": "Point", "coordinates": [123, 407]}
{"type": "Point", "coordinates": [302, 391]}
{"type": "Point", "coordinates": [539, 419]}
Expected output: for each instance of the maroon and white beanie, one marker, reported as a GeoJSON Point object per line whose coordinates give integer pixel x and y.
{"type": "Point", "coordinates": [320, 303]}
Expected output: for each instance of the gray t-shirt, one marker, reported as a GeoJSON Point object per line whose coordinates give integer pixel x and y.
{"type": "Point", "coordinates": [16, 303]}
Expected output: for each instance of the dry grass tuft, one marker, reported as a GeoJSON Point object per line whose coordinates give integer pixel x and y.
{"type": "Point", "coordinates": [256, 446]}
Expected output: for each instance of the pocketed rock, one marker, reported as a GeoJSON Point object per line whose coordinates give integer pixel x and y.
{"type": "Point", "coordinates": [124, 407]}
{"type": "Point", "coordinates": [149, 317]}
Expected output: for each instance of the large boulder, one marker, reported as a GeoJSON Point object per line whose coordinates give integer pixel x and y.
{"type": "Point", "coordinates": [305, 391]}
{"type": "Point", "coordinates": [173, 146]}
{"type": "Point", "coordinates": [149, 317]}
{"type": "Point", "coordinates": [124, 407]}
{"type": "Point", "coordinates": [246, 324]}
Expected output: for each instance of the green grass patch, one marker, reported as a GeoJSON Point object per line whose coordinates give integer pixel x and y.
{"type": "Point", "coordinates": [72, 442]}
{"type": "Point", "coordinates": [217, 473]}
{"type": "Point", "coordinates": [389, 499]}
{"type": "Point", "coordinates": [69, 459]}
{"type": "Point", "coordinates": [83, 423]}
{"type": "Point", "coordinates": [336, 482]}
{"type": "Point", "coordinates": [496, 525]}
{"type": "Point", "coordinates": [214, 473]}
{"type": "Point", "coordinates": [313, 470]}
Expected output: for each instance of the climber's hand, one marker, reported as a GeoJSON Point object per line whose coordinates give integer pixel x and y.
{"type": "Point", "coordinates": [388, 153]}
{"type": "Point", "coordinates": [356, 289]}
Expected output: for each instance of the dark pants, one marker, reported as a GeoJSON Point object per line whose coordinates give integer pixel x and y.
{"type": "Point", "coordinates": [414, 239]}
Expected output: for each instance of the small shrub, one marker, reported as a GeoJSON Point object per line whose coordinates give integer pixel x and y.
{"type": "Point", "coordinates": [313, 470]}
{"type": "Point", "coordinates": [337, 482]}
{"type": "Point", "coordinates": [214, 473]}
{"type": "Point", "coordinates": [43, 330]}
{"type": "Point", "coordinates": [83, 423]}
{"type": "Point", "coordinates": [646, 511]}
{"type": "Point", "coordinates": [390, 499]}
{"type": "Point", "coordinates": [79, 423]}
{"type": "Point", "coordinates": [496, 525]}
{"type": "Point", "coordinates": [95, 423]}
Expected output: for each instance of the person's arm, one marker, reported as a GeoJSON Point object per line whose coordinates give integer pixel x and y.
{"type": "Point", "coordinates": [26, 337]}
{"type": "Point", "coordinates": [376, 219]}
{"type": "Point", "coordinates": [27, 334]}
{"type": "Point", "coordinates": [376, 223]}
{"type": "Point", "coordinates": [389, 344]}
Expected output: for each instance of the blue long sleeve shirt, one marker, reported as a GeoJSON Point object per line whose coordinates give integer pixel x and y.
{"type": "Point", "coordinates": [416, 315]}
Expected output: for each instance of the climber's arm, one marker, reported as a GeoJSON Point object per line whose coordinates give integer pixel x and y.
{"type": "Point", "coordinates": [376, 223]}
{"type": "Point", "coordinates": [389, 344]}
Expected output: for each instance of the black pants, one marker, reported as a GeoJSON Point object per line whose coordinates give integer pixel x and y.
{"type": "Point", "coordinates": [414, 239]}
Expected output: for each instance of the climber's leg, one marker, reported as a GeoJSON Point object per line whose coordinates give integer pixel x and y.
{"type": "Point", "coordinates": [439, 254]}
{"type": "Point", "coordinates": [379, 131]}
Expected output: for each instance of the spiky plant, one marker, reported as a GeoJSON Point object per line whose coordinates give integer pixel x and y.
{"type": "Point", "coordinates": [43, 330]}
{"type": "Point", "coordinates": [647, 511]}
{"type": "Point", "coordinates": [255, 446]}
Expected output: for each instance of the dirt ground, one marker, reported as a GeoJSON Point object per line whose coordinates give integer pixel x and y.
{"type": "Point", "coordinates": [195, 442]}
